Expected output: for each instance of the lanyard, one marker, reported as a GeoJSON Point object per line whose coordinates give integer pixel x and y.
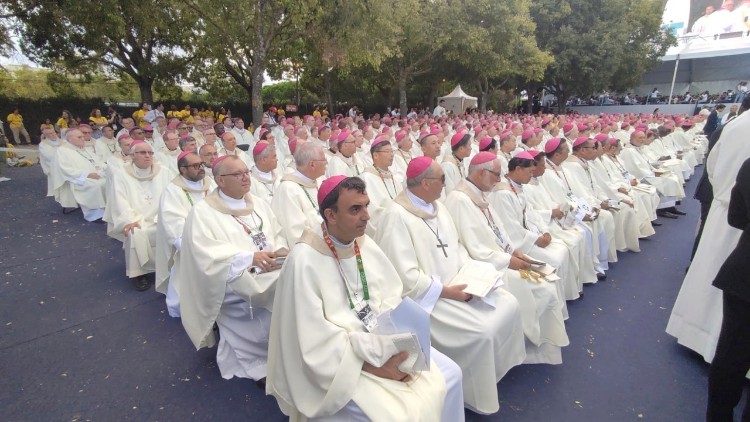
{"type": "Point", "coordinates": [380, 173]}
{"type": "Point", "coordinates": [360, 267]}
{"type": "Point", "coordinates": [190, 198]}
{"type": "Point", "coordinates": [564, 178]}
{"type": "Point", "coordinates": [522, 201]}
{"type": "Point", "coordinates": [308, 197]}
{"type": "Point", "coordinates": [248, 230]}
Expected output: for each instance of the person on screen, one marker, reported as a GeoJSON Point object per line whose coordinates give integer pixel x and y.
{"type": "Point", "coordinates": [701, 24]}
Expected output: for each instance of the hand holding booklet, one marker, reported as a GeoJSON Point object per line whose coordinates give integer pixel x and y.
{"type": "Point", "coordinates": [480, 278]}
{"type": "Point", "coordinates": [409, 327]}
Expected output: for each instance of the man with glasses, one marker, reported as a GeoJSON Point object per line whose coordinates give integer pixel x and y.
{"type": "Point", "coordinates": [344, 161]}
{"type": "Point", "coordinates": [208, 154]}
{"type": "Point", "coordinates": [188, 188]}
{"type": "Point", "coordinates": [484, 335]}
{"type": "Point", "coordinates": [293, 202]}
{"type": "Point", "coordinates": [106, 146]}
{"type": "Point", "coordinates": [229, 147]}
{"type": "Point", "coordinates": [88, 143]}
{"type": "Point", "coordinates": [167, 155]}
{"type": "Point", "coordinates": [482, 233]}
{"type": "Point", "coordinates": [230, 255]}
{"type": "Point", "coordinates": [382, 184]}
{"type": "Point", "coordinates": [135, 202]}
{"type": "Point", "coordinates": [264, 175]}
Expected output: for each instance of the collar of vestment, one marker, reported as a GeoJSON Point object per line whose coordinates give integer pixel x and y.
{"type": "Point", "coordinates": [403, 199]}
{"type": "Point", "coordinates": [68, 145]}
{"type": "Point", "coordinates": [348, 160]}
{"type": "Point", "coordinates": [140, 174]}
{"type": "Point", "coordinates": [473, 192]}
{"type": "Point", "coordinates": [214, 201]}
{"type": "Point", "coordinates": [580, 161]}
{"type": "Point", "coordinates": [314, 238]}
{"type": "Point", "coordinates": [232, 152]}
{"type": "Point", "coordinates": [180, 182]}
{"type": "Point", "coordinates": [385, 174]}
{"type": "Point", "coordinates": [450, 158]}
{"type": "Point", "coordinates": [300, 179]}
{"type": "Point", "coordinates": [263, 177]}
{"type": "Point", "coordinates": [52, 143]}
{"type": "Point", "coordinates": [171, 152]}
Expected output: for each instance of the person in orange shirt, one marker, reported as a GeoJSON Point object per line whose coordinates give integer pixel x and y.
{"type": "Point", "coordinates": [15, 121]}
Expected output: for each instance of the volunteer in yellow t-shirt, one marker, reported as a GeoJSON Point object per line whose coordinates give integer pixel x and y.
{"type": "Point", "coordinates": [15, 121]}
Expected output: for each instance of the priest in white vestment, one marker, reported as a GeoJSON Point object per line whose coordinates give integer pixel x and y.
{"type": "Point", "coordinates": [230, 255]}
{"type": "Point", "coordinates": [184, 191]}
{"type": "Point", "coordinates": [293, 202]}
{"type": "Point", "coordinates": [264, 173]}
{"type": "Point", "coordinates": [582, 182]}
{"type": "Point", "coordinates": [453, 160]}
{"type": "Point", "coordinates": [167, 155]}
{"type": "Point", "coordinates": [483, 335]}
{"type": "Point", "coordinates": [696, 317]}
{"type": "Point", "coordinates": [327, 361]}
{"type": "Point", "coordinates": [78, 177]}
{"type": "Point", "coordinates": [481, 232]}
{"type": "Point", "coordinates": [107, 145]}
{"type": "Point", "coordinates": [135, 203]}
{"type": "Point", "coordinates": [229, 147]}
{"type": "Point", "coordinates": [345, 161]}
{"type": "Point", "coordinates": [402, 155]}
{"type": "Point", "coordinates": [526, 232]}
{"type": "Point", "coordinates": [47, 151]}
{"type": "Point", "coordinates": [382, 184]}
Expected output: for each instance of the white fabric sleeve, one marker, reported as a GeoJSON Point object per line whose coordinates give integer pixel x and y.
{"type": "Point", "coordinates": [178, 244]}
{"type": "Point", "coordinates": [239, 264]}
{"type": "Point", "coordinates": [429, 298]}
{"type": "Point", "coordinates": [374, 349]}
{"type": "Point", "coordinates": [80, 180]}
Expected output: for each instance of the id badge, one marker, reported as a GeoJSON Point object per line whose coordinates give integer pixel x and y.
{"type": "Point", "coordinates": [366, 315]}
{"type": "Point", "coordinates": [500, 240]}
{"type": "Point", "coordinates": [260, 240]}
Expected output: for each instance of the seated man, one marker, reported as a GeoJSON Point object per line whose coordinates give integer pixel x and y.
{"type": "Point", "coordinates": [484, 336]}
{"type": "Point", "coordinates": [185, 190]}
{"type": "Point", "coordinates": [78, 177]}
{"type": "Point", "coordinates": [135, 202]}
{"type": "Point", "coordinates": [229, 260]}
{"type": "Point", "coordinates": [382, 185]}
{"type": "Point", "coordinates": [264, 174]}
{"type": "Point", "coordinates": [345, 161]}
{"type": "Point", "coordinates": [293, 202]}
{"type": "Point", "coordinates": [323, 360]}
{"type": "Point", "coordinates": [167, 155]}
{"type": "Point", "coordinates": [481, 232]}
{"type": "Point", "coordinates": [229, 147]}
{"type": "Point", "coordinates": [48, 146]}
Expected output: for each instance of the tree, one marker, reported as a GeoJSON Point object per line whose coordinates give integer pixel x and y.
{"type": "Point", "coordinates": [596, 42]}
{"type": "Point", "coordinates": [137, 38]}
{"type": "Point", "coordinates": [243, 37]}
{"type": "Point", "coordinates": [493, 41]}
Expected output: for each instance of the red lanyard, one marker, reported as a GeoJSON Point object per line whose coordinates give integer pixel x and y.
{"type": "Point", "coordinates": [360, 267]}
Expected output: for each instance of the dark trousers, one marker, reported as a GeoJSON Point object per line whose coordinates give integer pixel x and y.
{"type": "Point", "coordinates": [732, 361]}
{"type": "Point", "coordinates": [705, 208]}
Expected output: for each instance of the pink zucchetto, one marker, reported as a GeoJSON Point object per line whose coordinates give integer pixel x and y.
{"type": "Point", "coordinates": [506, 134]}
{"type": "Point", "coordinates": [123, 135]}
{"type": "Point", "coordinates": [259, 148]}
{"type": "Point", "coordinates": [418, 166]}
{"type": "Point", "coordinates": [379, 141]}
{"type": "Point", "coordinates": [580, 140]}
{"type": "Point", "coordinates": [524, 154]}
{"type": "Point", "coordinates": [328, 186]}
{"type": "Point", "coordinates": [533, 153]}
{"type": "Point", "coordinates": [551, 145]}
{"type": "Point", "coordinates": [148, 128]}
{"type": "Point", "coordinates": [483, 157]}
{"type": "Point", "coordinates": [582, 127]}
{"type": "Point", "coordinates": [455, 139]}
{"type": "Point", "coordinates": [342, 136]}
{"type": "Point", "coordinates": [400, 135]}
{"type": "Point", "coordinates": [136, 143]}
{"type": "Point", "coordinates": [292, 144]}
{"type": "Point", "coordinates": [527, 134]}
{"type": "Point", "coordinates": [601, 137]}
{"type": "Point", "coordinates": [184, 154]}
{"type": "Point", "coordinates": [567, 127]}
{"type": "Point", "coordinates": [484, 143]}
{"type": "Point", "coordinates": [218, 160]}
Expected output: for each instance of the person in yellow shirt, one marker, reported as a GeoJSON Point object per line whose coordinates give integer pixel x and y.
{"type": "Point", "coordinates": [15, 121]}
{"type": "Point", "coordinates": [138, 115]}
{"type": "Point", "coordinates": [63, 122]}
{"type": "Point", "coordinates": [96, 119]}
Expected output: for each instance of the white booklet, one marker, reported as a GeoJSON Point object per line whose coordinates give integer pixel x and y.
{"type": "Point", "coordinates": [409, 326]}
{"type": "Point", "coordinates": [480, 278]}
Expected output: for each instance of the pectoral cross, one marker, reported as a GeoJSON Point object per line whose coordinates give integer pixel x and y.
{"type": "Point", "coordinates": [442, 246]}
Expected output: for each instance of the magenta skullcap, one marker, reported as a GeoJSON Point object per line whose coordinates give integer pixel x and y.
{"type": "Point", "coordinates": [184, 154]}
{"type": "Point", "coordinates": [342, 136]}
{"type": "Point", "coordinates": [551, 145]}
{"type": "Point", "coordinates": [148, 128]}
{"type": "Point", "coordinates": [524, 154]}
{"type": "Point", "coordinates": [455, 139]}
{"type": "Point", "coordinates": [506, 134]}
{"type": "Point", "coordinates": [485, 142]}
{"type": "Point", "coordinates": [292, 144]}
{"type": "Point", "coordinates": [483, 157]}
{"type": "Point", "coordinates": [534, 153]}
{"type": "Point", "coordinates": [400, 135]}
{"type": "Point", "coordinates": [418, 166]}
{"type": "Point", "coordinates": [601, 137]}
{"type": "Point", "coordinates": [567, 127]}
{"type": "Point", "coordinates": [582, 127]}
{"type": "Point", "coordinates": [259, 148]}
{"type": "Point", "coordinates": [580, 140]}
{"type": "Point", "coordinates": [527, 134]}
{"type": "Point", "coordinates": [218, 160]}
{"type": "Point", "coordinates": [379, 141]}
{"type": "Point", "coordinates": [328, 186]}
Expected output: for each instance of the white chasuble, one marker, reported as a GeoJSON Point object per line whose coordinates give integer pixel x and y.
{"type": "Point", "coordinates": [71, 186]}
{"type": "Point", "coordinates": [485, 340]}
{"type": "Point", "coordinates": [382, 188]}
{"type": "Point", "coordinates": [263, 185]}
{"type": "Point", "coordinates": [295, 205]}
{"type": "Point", "coordinates": [135, 198]}
{"type": "Point", "coordinates": [217, 282]}
{"type": "Point", "coordinates": [318, 344]}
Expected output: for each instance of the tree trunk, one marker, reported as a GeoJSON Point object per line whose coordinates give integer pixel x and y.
{"type": "Point", "coordinates": [329, 96]}
{"type": "Point", "coordinates": [146, 85]}
{"type": "Point", "coordinates": [431, 101]}
{"type": "Point", "coordinates": [402, 94]}
{"type": "Point", "coordinates": [484, 93]}
{"type": "Point", "coordinates": [256, 95]}
{"type": "Point", "coordinates": [562, 98]}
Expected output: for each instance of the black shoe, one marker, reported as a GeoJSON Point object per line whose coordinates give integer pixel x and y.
{"type": "Point", "coordinates": [678, 212]}
{"type": "Point", "coordinates": [261, 383]}
{"type": "Point", "coordinates": [601, 276]}
{"type": "Point", "coordinates": [666, 214]}
{"type": "Point", "coordinates": [141, 283]}
{"type": "Point", "coordinates": [68, 210]}
{"type": "Point", "coordinates": [655, 224]}
{"type": "Point", "coordinates": [99, 221]}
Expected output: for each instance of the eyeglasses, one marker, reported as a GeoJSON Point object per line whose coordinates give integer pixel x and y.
{"type": "Point", "coordinates": [196, 166]}
{"type": "Point", "coordinates": [588, 147]}
{"type": "Point", "coordinates": [441, 178]}
{"type": "Point", "coordinates": [144, 152]}
{"type": "Point", "coordinates": [496, 173]}
{"type": "Point", "coordinates": [239, 175]}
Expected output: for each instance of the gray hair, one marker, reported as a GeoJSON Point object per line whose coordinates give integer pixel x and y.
{"type": "Point", "coordinates": [475, 168]}
{"type": "Point", "coordinates": [307, 152]}
{"type": "Point", "coordinates": [184, 141]}
{"type": "Point", "coordinates": [417, 180]}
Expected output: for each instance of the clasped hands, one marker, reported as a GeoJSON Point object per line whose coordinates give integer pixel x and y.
{"type": "Point", "coordinates": [389, 370]}
{"type": "Point", "coordinates": [266, 261]}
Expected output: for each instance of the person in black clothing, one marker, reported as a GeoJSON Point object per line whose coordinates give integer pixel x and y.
{"type": "Point", "coordinates": [713, 120]}
{"type": "Point", "coordinates": [732, 359]}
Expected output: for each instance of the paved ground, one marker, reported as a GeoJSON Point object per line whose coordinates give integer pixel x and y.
{"type": "Point", "coordinates": [78, 343]}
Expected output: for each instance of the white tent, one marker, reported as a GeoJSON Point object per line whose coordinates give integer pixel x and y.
{"type": "Point", "coordinates": [458, 101]}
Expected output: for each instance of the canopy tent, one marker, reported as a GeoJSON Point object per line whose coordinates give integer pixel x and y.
{"type": "Point", "coordinates": [458, 101]}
